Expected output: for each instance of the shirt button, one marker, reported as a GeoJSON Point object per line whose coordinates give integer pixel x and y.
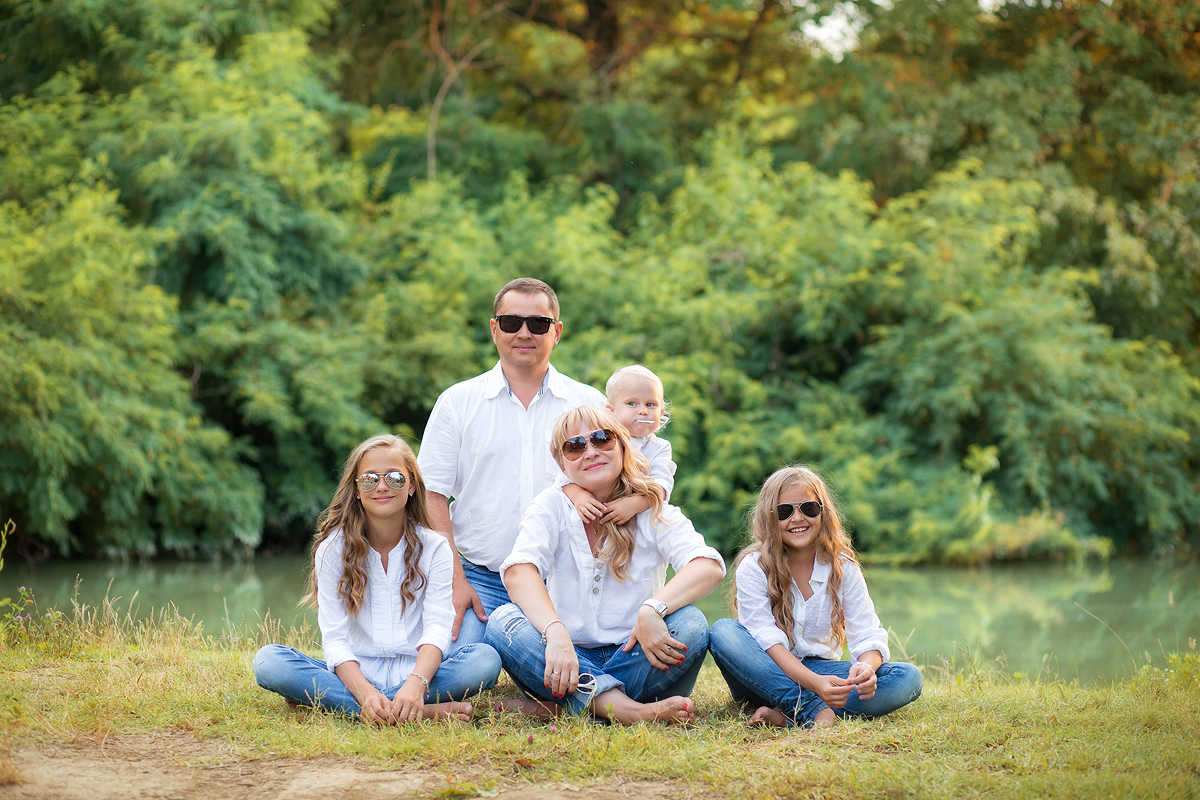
{"type": "Point", "coordinates": [596, 590]}
{"type": "Point", "coordinates": [597, 577]}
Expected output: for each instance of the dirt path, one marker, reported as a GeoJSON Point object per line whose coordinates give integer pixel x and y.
{"type": "Point", "coordinates": [179, 767]}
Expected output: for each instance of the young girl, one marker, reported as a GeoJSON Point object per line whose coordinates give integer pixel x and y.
{"type": "Point", "coordinates": [381, 582]}
{"type": "Point", "coordinates": [635, 396]}
{"type": "Point", "coordinates": [800, 596]}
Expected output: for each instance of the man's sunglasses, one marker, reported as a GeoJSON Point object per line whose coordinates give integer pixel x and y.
{"type": "Point", "coordinates": [809, 508]}
{"type": "Point", "coordinates": [603, 440]}
{"type": "Point", "coordinates": [369, 480]}
{"type": "Point", "coordinates": [511, 323]}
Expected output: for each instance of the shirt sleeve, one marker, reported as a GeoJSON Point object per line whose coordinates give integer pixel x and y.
{"type": "Point", "coordinates": [863, 631]}
{"type": "Point", "coordinates": [662, 466]}
{"type": "Point", "coordinates": [437, 608]}
{"type": "Point", "coordinates": [754, 605]}
{"type": "Point", "coordinates": [539, 533]}
{"type": "Point", "coordinates": [440, 447]}
{"type": "Point", "coordinates": [332, 618]}
{"type": "Point", "coordinates": [678, 540]}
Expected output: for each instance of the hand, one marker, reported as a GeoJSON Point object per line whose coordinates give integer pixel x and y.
{"type": "Point", "coordinates": [562, 664]}
{"type": "Point", "coordinates": [465, 597]}
{"type": "Point", "coordinates": [377, 710]}
{"type": "Point", "coordinates": [586, 505]}
{"type": "Point", "coordinates": [621, 511]}
{"type": "Point", "coordinates": [409, 701]}
{"type": "Point", "coordinates": [833, 690]}
{"type": "Point", "coordinates": [662, 651]}
{"type": "Point", "coordinates": [863, 676]}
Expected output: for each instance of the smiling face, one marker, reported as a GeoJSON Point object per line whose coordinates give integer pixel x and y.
{"type": "Point", "coordinates": [523, 350]}
{"type": "Point", "coordinates": [799, 532]}
{"type": "Point", "coordinates": [638, 404]}
{"type": "Point", "coordinates": [384, 504]}
{"type": "Point", "coordinates": [596, 470]}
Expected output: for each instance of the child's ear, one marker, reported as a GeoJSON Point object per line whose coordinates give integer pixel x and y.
{"type": "Point", "coordinates": [609, 406]}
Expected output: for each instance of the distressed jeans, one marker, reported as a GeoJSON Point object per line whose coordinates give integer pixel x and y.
{"type": "Point", "coordinates": [306, 681]}
{"type": "Point", "coordinates": [524, 657]}
{"type": "Point", "coordinates": [755, 678]}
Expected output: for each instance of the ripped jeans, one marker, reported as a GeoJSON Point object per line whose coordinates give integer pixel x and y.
{"type": "Point", "coordinates": [524, 658]}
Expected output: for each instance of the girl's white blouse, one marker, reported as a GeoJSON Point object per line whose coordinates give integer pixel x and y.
{"type": "Point", "coordinates": [597, 608]}
{"type": "Point", "coordinates": [382, 638]}
{"type": "Point", "coordinates": [813, 631]}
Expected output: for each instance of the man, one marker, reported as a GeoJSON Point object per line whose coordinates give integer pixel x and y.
{"type": "Point", "coordinates": [487, 445]}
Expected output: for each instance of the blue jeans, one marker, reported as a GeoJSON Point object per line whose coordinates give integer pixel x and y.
{"type": "Point", "coordinates": [755, 678]}
{"type": "Point", "coordinates": [491, 593]}
{"type": "Point", "coordinates": [524, 658]}
{"type": "Point", "coordinates": [308, 682]}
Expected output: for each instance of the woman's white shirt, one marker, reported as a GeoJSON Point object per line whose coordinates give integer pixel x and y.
{"type": "Point", "coordinates": [381, 637]}
{"type": "Point", "coordinates": [597, 607]}
{"type": "Point", "coordinates": [813, 632]}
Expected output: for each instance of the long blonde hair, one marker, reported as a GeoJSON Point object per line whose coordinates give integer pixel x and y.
{"type": "Point", "coordinates": [345, 513]}
{"type": "Point", "coordinates": [833, 548]}
{"type": "Point", "coordinates": [614, 542]}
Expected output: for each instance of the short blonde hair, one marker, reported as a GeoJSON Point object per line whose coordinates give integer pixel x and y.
{"type": "Point", "coordinates": [626, 375]}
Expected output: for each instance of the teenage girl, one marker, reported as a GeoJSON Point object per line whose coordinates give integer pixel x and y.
{"type": "Point", "coordinates": [800, 597]}
{"type": "Point", "coordinates": [381, 581]}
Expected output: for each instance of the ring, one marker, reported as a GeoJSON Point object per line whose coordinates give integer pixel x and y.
{"type": "Point", "coordinates": [556, 672]}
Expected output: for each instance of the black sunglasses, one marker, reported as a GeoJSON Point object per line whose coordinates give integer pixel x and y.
{"type": "Point", "coordinates": [369, 480]}
{"type": "Point", "coordinates": [511, 323]}
{"type": "Point", "coordinates": [603, 440]}
{"type": "Point", "coordinates": [809, 508]}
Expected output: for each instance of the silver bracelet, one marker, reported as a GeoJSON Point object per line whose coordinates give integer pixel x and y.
{"type": "Point", "coordinates": [419, 677]}
{"type": "Point", "coordinates": [559, 621]}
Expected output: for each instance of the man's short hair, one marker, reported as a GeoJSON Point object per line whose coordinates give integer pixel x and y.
{"type": "Point", "coordinates": [527, 286]}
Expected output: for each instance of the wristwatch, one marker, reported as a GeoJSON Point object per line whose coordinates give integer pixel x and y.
{"type": "Point", "coordinates": [659, 606]}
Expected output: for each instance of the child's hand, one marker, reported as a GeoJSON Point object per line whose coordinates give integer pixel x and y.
{"type": "Point", "coordinates": [864, 677]}
{"type": "Point", "coordinates": [586, 504]}
{"type": "Point", "coordinates": [409, 701]}
{"type": "Point", "coordinates": [377, 710]}
{"type": "Point", "coordinates": [621, 511]}
{"type": "Point", "coordinates": [833, 690]}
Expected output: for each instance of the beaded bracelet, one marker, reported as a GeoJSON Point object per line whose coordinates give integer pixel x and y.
{"type": "Point", "coordinates": [559, 621]}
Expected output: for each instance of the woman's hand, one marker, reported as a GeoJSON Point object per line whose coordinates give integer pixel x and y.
{"type": "Point", "coordinates": [832, 689]}
{"type": "Point", "coordinates": [662, 651]}
{"type": "Point", "coordinates": [863, 676]}
{"type": "Point", "coordinates": [621, 511]}
{"type": "Point", "coordinates": [409, 701]}
{"type": "Point", "coordinates": [586, 505]}
{"type": "Point", "coordinates": [562, 664]}
{"type": "Point", "coordinates": [377, 709]}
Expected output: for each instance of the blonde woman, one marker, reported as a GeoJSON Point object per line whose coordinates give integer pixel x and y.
{"type": "Point", "coordinates": [800, 596]}
{"type": "Point", "coordinates": [593, 626]}
{"type": "Point", "coordinates": [381, 581]}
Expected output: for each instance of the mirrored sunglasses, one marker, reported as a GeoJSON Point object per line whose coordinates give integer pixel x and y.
{"type": "Point", "coordinates": [603, 440]}
{"type": "Point", "coordinates": [369, 480]}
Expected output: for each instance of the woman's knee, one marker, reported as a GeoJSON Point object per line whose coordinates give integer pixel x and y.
{"type": "Point", "coordinates": [690, 626]}
{"type": "Point", "coordinates": [269, 662]}
{"type": "Point", "coordinates": [507, 626]}
{"type": "Point", "coordinates": [905, 680]}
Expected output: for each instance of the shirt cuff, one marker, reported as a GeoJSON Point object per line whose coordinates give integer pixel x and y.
{"type": "Point", "coordinates": [769, 638]}
{"type": "Point", "coordinates": [437, 636]}
{"type": "Point", "coordinates": [337, 653]}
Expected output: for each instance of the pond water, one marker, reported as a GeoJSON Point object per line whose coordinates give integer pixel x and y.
{"type": "Point", "coordinates": [1032, 618]}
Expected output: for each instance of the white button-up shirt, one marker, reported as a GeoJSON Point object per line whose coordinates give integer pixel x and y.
{"type": "Point", "coordinates": [813, 631]}
{"type": "Point", "coordinates": [594, 604]}
{"type": "Point", "coordinates": [657, 451]}
{"type": "Point", "coordinates": [383, 639]}
{"type": "Point", "coordinates": [492, 455]}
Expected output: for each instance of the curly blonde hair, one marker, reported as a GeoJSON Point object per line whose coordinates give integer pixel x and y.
{"type": "Point", "coordinates": [615, 542]}
{"type": "Point", "coordinates": [345, 513]}
{"type": "Point", "coordinates": [833, 547]}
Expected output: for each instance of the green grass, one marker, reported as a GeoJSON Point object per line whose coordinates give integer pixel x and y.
{"type": "Point", "coordinates": [96, 673]}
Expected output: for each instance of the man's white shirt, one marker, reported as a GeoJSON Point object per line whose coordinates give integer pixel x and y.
{"type": "Point", "coordinates": [492, 455]}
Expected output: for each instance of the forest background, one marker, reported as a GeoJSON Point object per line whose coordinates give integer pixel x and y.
{"type": "Point", "coordinates": [952, 261]}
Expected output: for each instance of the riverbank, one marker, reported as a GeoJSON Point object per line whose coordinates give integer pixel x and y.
{"type": "Point", "coordinates": [87, 687]}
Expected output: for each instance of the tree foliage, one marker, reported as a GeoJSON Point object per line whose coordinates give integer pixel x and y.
{"type": "Point", "coordinates": [955, 266]}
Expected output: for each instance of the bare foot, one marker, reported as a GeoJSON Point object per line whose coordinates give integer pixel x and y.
{"type": "Point", "coordinates": [459, 711]}
{"type": "Point", "coordinates": [617, 706]}
{"type": "Point", "coordinates": [533, 708]}
{"type": "Point", "coordinates": [825, 719]}
{"type": "Point", "coordinates": [768, 716]}
{"type": "Point", "coordinates": [291, 706]}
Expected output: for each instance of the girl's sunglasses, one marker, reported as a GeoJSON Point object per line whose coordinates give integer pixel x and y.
{"type": "Point", "coordinates": [511, 323]}
{"type": "Point", "coordinates": [369, 480]}
{"type": "Point", "coordinates": [809, 508]}
{"type": "Point", "coordinates": [603, 440]}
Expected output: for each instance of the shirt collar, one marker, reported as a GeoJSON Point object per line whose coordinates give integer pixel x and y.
{"type": "Point", "coordinates": [497, 380]}
{"type": "Point", "coordinates": [821, 570]}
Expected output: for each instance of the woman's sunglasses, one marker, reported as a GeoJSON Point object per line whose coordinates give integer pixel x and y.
{"type": "Point", "coordinates": [511, 323]}
{"type": "Point", "coordinates": [809, 508]}
{"type": "Point", "coordinates": [603, 440]}
{"type": "Point", "coordinates": [369, 480]}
